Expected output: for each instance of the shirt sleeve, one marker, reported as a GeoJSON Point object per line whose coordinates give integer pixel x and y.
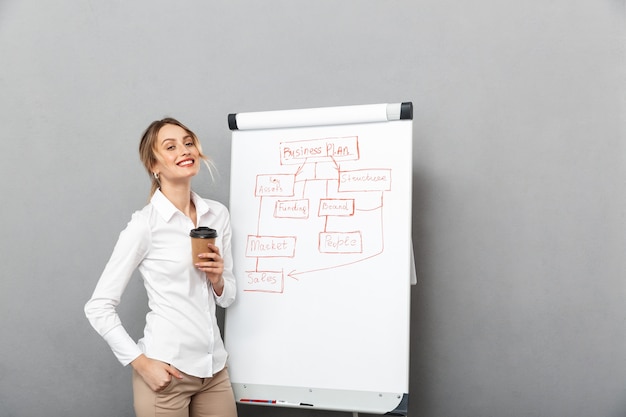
{"type": "Point", "coordinates": [230, 288]}
{"type": "Point", "coordinates": [130, 249]}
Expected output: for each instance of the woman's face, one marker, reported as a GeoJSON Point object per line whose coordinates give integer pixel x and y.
{"type": "Point", "coordinates": [177, 155]}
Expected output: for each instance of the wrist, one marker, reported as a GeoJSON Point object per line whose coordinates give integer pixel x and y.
{"type": "Point", "coordinates": [138, 362]}
{"type": "Point", "coordinates": [218, 286]}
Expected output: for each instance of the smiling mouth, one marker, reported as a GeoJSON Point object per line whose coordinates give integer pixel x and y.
{"type": "Point", "coordinates": [185, 163]}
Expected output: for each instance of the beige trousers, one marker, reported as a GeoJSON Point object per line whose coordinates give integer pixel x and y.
{"type": "Point", "coordinates": [187, 397]}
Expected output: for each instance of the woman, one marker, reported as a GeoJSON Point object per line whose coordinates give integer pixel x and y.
{"type": "Point", "coordinates": [179, 366]}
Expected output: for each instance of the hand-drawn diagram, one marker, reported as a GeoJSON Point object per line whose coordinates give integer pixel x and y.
{"type": "Point", "coordinates": [321, 210]}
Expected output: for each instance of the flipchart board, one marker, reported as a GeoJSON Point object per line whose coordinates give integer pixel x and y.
{"type": "Point", "coordinates": [320, 206]}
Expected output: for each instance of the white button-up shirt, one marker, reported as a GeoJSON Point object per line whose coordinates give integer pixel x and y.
{"type": "Point", "coordinates": [181, 327]}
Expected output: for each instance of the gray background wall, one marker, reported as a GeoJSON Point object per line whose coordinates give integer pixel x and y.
{"type": "Point", "coordinates": [519, 179]}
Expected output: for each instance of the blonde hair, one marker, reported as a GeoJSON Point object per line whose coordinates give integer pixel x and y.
{"type": "Point", "coordinates": [148, 144]}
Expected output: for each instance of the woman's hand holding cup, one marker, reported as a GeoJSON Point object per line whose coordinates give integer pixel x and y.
{"type": "Point", "coordinates": [206, 256]}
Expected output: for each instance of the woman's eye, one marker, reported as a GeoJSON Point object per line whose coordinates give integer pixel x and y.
{"type": "Point", "coordinates": [171, 147]}
{"type": "Point", "coordinates": [189, 144]}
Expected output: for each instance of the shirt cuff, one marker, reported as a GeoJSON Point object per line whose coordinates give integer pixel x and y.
{"type": "Point", "coordinates": [122, 345]}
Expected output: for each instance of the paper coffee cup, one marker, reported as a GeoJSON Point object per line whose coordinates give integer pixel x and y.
{"type": "Point", "coordinates": [200, 237]}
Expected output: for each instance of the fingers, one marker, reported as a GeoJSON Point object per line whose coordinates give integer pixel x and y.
{"type": "Point", "coordinates": [162, 384]}
{"type": "Point", "coordinates": [211, 265]}
{"type": "Point", "coordinates": [158, 376]}
{"type": "Point", "coordinates": [209, 256]}
{"type": "Point", "coordinates": [210, 261]}
{"type": "Point", "coordinates": [212, 254]}
{"type": "Point", "coordinates": [174, 372]}
{"type": "Point", "coordinates": [212, 248]}
{"type": "Point", "coordinates": [212, 274]}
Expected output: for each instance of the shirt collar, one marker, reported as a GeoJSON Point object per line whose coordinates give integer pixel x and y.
{"type": "Point", "coordinates": [167, 210]}
{"type": "Point", "coordinates": [202, 207]}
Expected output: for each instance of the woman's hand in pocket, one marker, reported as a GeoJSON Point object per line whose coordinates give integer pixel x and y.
{"type": "Point", "coordinates": [156, 374]}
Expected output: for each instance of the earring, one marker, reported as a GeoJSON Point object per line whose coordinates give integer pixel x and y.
{"type": "Point", "coordinates": [156, 176]}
